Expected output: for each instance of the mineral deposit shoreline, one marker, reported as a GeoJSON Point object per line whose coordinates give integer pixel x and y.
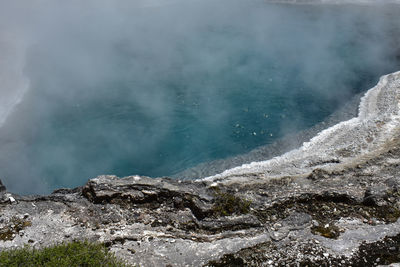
{"type": "Point", "coordinates": [378, 122]}
{"type": "Point", "coordinates": [333, 202]}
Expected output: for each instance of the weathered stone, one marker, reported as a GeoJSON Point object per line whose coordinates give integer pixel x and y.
{"type": "Point", "coordinates": [230, 223]}
{"type": "Point", "coordinates": [278, 235]}
{"type": "Point", "coordinates": [375, 196]}
{"type": "Point", "coordinates": [318, 174]}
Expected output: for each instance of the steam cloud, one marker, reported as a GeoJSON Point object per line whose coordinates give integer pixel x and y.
{"type": "Point", "coordinates": [74, 54]}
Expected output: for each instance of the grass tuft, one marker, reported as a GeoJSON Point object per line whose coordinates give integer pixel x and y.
{"type": "Point", "coordinates": [227, 204]}
{"type": "Point", "coordinates": [77, 253]}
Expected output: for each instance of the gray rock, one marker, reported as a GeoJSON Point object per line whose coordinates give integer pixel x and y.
{"type": "Point", "coordinates": [375, 195]}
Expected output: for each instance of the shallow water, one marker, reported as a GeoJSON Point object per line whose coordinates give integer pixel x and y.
{"type": "Point", "coordinates": [155, 91]}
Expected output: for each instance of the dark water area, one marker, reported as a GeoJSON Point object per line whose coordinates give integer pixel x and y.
{"type": "Point", "coordinates": [154, 91]}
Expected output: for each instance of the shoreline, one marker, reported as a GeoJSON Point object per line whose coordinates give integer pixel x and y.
{"type": "Point", "coordinates": [277, 148]}
{"type": "Point", "coordinates": [377, 122]}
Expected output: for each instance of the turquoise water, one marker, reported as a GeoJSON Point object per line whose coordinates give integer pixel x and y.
{"type": "Point", "coordinates": [160, 90]}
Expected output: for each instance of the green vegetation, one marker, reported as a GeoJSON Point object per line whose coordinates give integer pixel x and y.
{"type": "Point", "coordinates": [228, 204]}
{"type": "Point", "coordinates": [78, 253]}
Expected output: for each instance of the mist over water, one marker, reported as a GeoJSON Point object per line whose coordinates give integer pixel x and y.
{"type": "Point", "coordinates": [154, 88]}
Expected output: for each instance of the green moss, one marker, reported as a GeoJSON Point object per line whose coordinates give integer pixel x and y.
{"type": "Point", "coordinates": [65, 254]}
{"type": "Point", "coordinates": [228, 204]}
{"type": "Point", "coordinates": [388, 214]}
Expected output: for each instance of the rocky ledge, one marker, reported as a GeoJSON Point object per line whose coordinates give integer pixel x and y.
{"type": "Point", "coordinates": [336, 218]}
{"type": "Point", "coordinates": [338, 208]}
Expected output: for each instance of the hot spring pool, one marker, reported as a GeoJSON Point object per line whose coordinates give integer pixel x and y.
{"type": "Point", "coordinates": [154, 90]}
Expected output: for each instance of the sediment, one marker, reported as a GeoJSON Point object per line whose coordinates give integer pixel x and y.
{"type": "Point", "coordinates": [335, 201]}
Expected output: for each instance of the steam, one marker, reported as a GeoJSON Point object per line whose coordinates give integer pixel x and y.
{"type": "Point", "coordinates": [126, 56]}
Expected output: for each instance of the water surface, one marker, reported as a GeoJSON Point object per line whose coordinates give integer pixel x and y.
{"type": "Point", "coordinates": [154, 91]}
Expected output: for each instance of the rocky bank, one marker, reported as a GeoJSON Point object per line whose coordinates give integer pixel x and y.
{"type": "Point", "coordinates": [333, 202]}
